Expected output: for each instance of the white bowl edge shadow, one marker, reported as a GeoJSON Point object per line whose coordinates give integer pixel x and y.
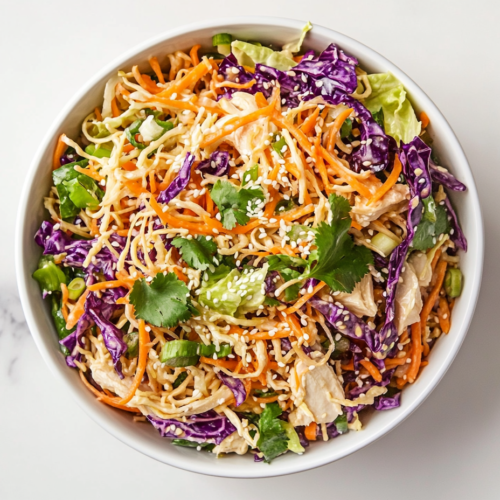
{"type": "Point", "coordinates": [145, 438]}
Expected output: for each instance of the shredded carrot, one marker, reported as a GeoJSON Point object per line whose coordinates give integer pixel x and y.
{"type": "Point", "coordinates": [294, 324]}
{"type": "Point", "coordinates": [286, 250]}
{"type": "Point", "coordinates": [335, 129]}
{"type": "Point", "coordinates": [186, 81]}
{"type": "Point", "coordinates": [186, 105]}
{"type": "Point", "coordinates": [77, 311]}
{"type": "Point", "coordinates": [106, 285]}
{"type": "Point", "coordinates": [401, 382]}
{"type": "Point", "coordinates": [310, 431]}
{"type": "Point", "coordinates": [435, 260]}
{"type": "Point", "coordinates": [223, 363]}
{"type": "Point", "coordinates": [387, 185]}
{"type": "Point", "coordinates": [94, 228]}
{"type": "Point", "coordinates": [346, 176]}
{"type": "Point", "coordinates": [424, 119]}
{"type": "Point", "coordinates": [155, 66]}
{"type": "Point", "coordinates": [61, 147]}
{"type": "Point", "coordinates": [348, 366]}
{"type": "Point", "coordinates": [444, 315]}
{"type": "Point", "coordinates": [261, 100]}
{"type": "Point", "coordinates": [371, 369]}
{"type": "Point", "coordinates": [135, 187]}
{"type": "Point", "coordinates": [89, 172]}
{"type": "Point", "coordinates": [193, 54]}
{"type": "Point", "coordinates": [302, 139]}
{"type": "Point", "coordinates": [356, 225]}
{"type": "Point", "coordinates": [120, 89]}
{"type": "Point", "coordinates": [237, 122]}
{"type": "Point", "coordinates": [309, 123]}
{"type": "Point", "coordinates": [296, 213]}
{"type": "Point", "coordinates": [304, 298]}
{"type": "Point", "coordinates": [271, 399]}
{"type": "Point", "coordinates": [97, 113]}
{"type": "Point", "coordinates": [152, 182]}
{"type": "Point", "coordinates": [181, 275]}
{"type": "Point", "coordinates": [416, 352]}
{"type": "Point", "coordinates": [109, 400]}
{"type": "Point", "coordinates": [128, 147]}
{"type": "Point", "coordinates": [141, 363]}
{"type": "Point", "coordinates": [432, 297]}
{"type": "Point", "coordinates": [129, 166]}
{"type": "Point", "coordinates": [64, 306]}
{"type": "Point", "coordinates": [145, 81]}
{"type": "Point", "coordinates": [391, 363]}
{"type": "Point", "coordinates": [115, 110]}
{"type": "Point", "coordinates": [122, 232]}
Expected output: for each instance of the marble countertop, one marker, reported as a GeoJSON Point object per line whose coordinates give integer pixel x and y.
{"type": "Point", "coordinates": [447, 449]}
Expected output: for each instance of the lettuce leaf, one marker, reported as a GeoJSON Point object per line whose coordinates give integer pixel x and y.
{"type": "Point", "coordinates": [249, 55]}
{"type": "Point", "coordinates": [389, 95]}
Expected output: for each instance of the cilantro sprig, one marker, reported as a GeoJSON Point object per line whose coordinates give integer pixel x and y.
{"type": "Point", "coordinates": [434, 223]}
{"type": "Point", "coordinates": [198, 252]}
{"type": "Point", "coordinates": [164, 302]}
{"type": "Point", "coordinates": [337, 260]}
{"type": "Point", "coordinates": [234, 203]}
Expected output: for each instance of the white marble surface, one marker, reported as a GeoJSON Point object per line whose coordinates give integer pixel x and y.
{"type": "Point", "coordinates": [446, 449]}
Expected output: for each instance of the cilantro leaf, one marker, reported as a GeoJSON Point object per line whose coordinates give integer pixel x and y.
{"type": "Point", "coordinates": [250, 174]}
{"type": "Point", "coordinates": [198, 252]}
{"type": "Point", "coordinates": [163, 302]}
{"type": "Point", "coordinates": [273, 439]}
{"type": "Point", "coordinates": [234, 203]}
{"type": "Point", "coordinates": [292, 292]}
{"type": "Point", "coordinates": [339, 262]}
{"type": "Point", "coordinates": [280, 261]}
{"type": "Point", "coordinates": [270, 301]}
{"type": "Point", "coordinates": [428, 231]}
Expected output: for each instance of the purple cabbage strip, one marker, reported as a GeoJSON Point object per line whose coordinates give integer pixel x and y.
{"type": "Point", "coordinates": [354, 327]}
{"type": "Point", "coordinates": [179, 183]}
{"type": "Point", "coordinates": [236, 386]}
{"type": "Point", "coordinates": [217, 164]}
{"type": "Point", "coordinates": [269, 284]}
{"type": "Point", "coordinates": [386, 403]}
{"type": "Point", "coordinates": [208, 427]}
{"type": "Point", "coordinates": [456, 233]}
{"type": "Point", "coordinates": [286, 345]}
{"type": "Point", "coordinates": [445, 178]}
{"type": "Point", "coordinates": [415, 158]}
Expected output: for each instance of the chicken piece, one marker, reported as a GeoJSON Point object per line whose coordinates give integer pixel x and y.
{"type": "Point", "coordinates": [422, 267]}
{"type": "Point", "coordinates": [408, 299]}
{"type": "Point", "coordinates": [394, 199]}
{"type": "Point", "coordinates": [313, 390]}
{"type": "Point", "coordinates": [360, 301]}
{"type": "Point", "coordinates": [232, 444]}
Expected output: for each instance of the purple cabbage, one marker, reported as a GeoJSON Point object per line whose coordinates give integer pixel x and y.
{"type": "Point", "coordinates": [445, 178]}
{"type": "Point", "coordinates": [217, 164]}
{"type": "Point", "coordinates": [386, 403]}
{"type": "Point", "coordinates": [415, 157]}
{"type": "Point", "coordinates": [286, 345]}
{"type": "Point", "coordinates": [456, 233]}
{"type": "Point", "coordinates": [269, 284]}
{"type": "Point", "coordinates": [179, 183]}
{"type": "Point", "coordinates": [236, 386]}
{"type": "Point", "coordinates": [331, 75]}
{"type": "Point", "coordinates": [208, 427]}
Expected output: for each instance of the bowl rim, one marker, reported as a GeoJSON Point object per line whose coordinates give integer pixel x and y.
{"type": "Point", "coordinates": [105, 419]}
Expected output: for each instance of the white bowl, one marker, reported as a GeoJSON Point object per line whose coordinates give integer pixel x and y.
{"type": "Point", "coordinates": [145, 438]}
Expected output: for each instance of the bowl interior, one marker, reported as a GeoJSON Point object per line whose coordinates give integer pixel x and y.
{"type": "Point", "coordinates": [145, 438]}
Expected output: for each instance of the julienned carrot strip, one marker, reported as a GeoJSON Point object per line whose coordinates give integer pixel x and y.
{"type": "Point", "coordinates": [391, 180]}
{"type": "Point", "coordinates": [238, 121]}
{"type": "Point", "coordinates": [261, 100]}
{"type": "Point", "coordinates": [106, 285]}
{"type": "Point", "coordinates": [152, 182]}
{"type": "Point", "coordinates": [145, 81]}
{"type": "Point", "coordinates": [297, 213]}
{"type": "Point", "coordinates": [155, 66]}
{"type": "Point", "coordinates": [372, 370]}
{"type": "Point", "coordinates": [304, 298]}
{"type": "Point", "coordinates": [266, 336]}
{"type": "Point", "coordinates": [294, 324]}
{"type": "Point", "coordinates": [115, 110]}
{"type": "Point", "coordinates": [233, 85]}
{"type": "Point", "coordinates": [391, 363]}
{"type": "Point", "coordinates": [61, 147]}
{"type": "Point", "coordinates": [186, 81]}
{"type": "Point", "coordinates": [431, 298]}
{"type": "Point", "coordinates": [320, 165]}
{"type": "Point", "coordinates": [135, 187]}
{"type": "Point", "coordinates": [122, 232]}
{"type": "Point", "coordinates": [416, 352]}
{"type": "Point", "coordinates": [347, 177]}
{"type": "Point", "coordinates": [111, 401]}
{"type": "Point", "coordinates": [64, 301]}
{"type": "Point", "coordinates": [193, 54]}
{"type": "Point", "coordinates": [443, 315]}
{"type": "Point", "coordinates": [356, 225]}
{"type": "Point", "coordinates": [435, 259]}
{"type": "Point", "coordinates": [129, 166]}
{"type": "Point", "coordinates": [424, 119]}
{"type": "Point", "coordinates": [210, 203]}
{"type": "Point", "coordinates": [77, 311]}
{"type": "Point", "coordinates": [187, 105]}
{"type": "Point", "coordinates": [286, 250]}
{"type": "Point", "coordinates": [271, 399]}
{"type": "Point", "coordinates": [128, 147]}
{"type": "Point", "coordinates": [223, 363]}
{"type": "Point", "coordinates": [335, 129]}
{"type": "Point", "coordinates": [309, 123]}
{"type": "Point", "coordinates": [296, 132]}
{"type": "Point", "coordinates": [89, 173]}
{"type": "Point", "coordinates": [310, 431]}
{"type": "Point", "coordinates": [141, 363]}
{"type": "Point", "coordinates": [97, 113]}
{"type": "Point", "coordinates": [120, 89]}
{"type": "Point", "coordinates": [181, 275]}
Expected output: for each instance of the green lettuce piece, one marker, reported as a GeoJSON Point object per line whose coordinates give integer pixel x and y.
{"type": "Point", "coordinates": [221, 291]}
{"type": "Point", "coordinates": [293, 438]}
{"type": "Point", "coordinates": [293, 47]}
{"type": "Point", "coordinates": [249, 54]}
{"type": "Point", "coordinates": [389, 95]}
